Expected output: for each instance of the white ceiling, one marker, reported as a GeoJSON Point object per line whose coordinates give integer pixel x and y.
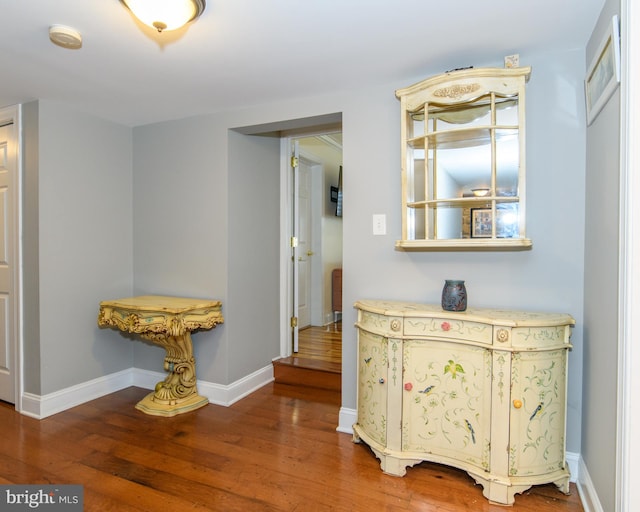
{"type": "Point", "coordinates": [248, 52]}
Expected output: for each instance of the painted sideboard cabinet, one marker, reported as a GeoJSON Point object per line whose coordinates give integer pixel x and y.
{"type": "Point", "coordinates": [482, 390]}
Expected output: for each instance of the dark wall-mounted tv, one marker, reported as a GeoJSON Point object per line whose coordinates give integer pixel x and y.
{"type": "Point", "coordinates": [339, 198]}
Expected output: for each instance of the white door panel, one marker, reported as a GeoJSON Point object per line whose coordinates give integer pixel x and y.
{"type": "Point", "coordinates": [6, 362]}
{"type": "Point", "coordinates": [4, 232]}
{"type": "Point", "coordinates": [295, 228]}
{"type": "Point", "coordinates": [8, 175]}
{"type": "Point", "coordinates": [304, 245]}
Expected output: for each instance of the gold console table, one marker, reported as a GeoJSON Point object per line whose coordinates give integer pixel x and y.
{"type": "Point", "coordinates": [168, 322]}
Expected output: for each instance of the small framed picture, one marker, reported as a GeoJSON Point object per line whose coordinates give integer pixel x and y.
{"type": "Point", "coordinates": [603, 75]}
{"type": "Point", "coordinates": [481, 222]}
{"type": "Point", "coordinates": [507, 220]}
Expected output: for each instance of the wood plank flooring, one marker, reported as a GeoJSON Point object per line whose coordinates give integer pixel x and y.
{"type": "Point", "coordinates": [321, 344]}
{"type": "Point", "coordinates": [275, 450]}
{"type": "Point", "coordinates": [318, 362]}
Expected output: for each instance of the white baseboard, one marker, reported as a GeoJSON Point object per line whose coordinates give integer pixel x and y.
{"type": "Point", "coordinates": [346, 419]}
{"type": "Point", "coordinates": [218, 394]}
{"type": "Point", "coordinates": [573, 461]}
{"type": "Point", "coordinates": [40, 407]}
{"type": "Point", "coordinates": [226, 395]}
{"type": "Point", "coordinates": [586, 490]}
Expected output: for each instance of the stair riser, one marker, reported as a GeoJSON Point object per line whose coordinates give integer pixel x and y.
{"type": "Point", "coordinates": [287, 374]}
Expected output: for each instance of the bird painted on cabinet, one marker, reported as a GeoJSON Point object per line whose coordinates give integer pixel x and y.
{"type": "Point", "coordinates": [537, 411]}
{"type": "Point", "coordinates": [427, 390]}
{"type": "Point", "coordinates": [471, 431]}
{"type": "Point", "coordinates": [453, 368]}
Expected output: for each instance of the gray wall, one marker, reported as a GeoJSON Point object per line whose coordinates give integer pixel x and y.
{"type": "Point", "coordinates": [30, 244]}
{"type": "Point", "coordinates": [253, 303]}
{"type": "Point", "coordinates": [78, 244]}
{"type": "Point", "coordinates": [600, 369]}
{"type": "Point", "coordinates": [547, 278]}
{"type": "Point", "coordinates": [180, 224]}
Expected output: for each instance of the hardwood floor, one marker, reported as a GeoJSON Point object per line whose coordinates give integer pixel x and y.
{"type": "Point", "coordinates": [275, 450]}
{"type": "Point", "coordinates": [318, 362]}
{"type": "Point", "coordinates": [321, 344]}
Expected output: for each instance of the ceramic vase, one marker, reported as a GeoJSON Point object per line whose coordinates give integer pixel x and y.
{"type": "Point", "coordinates": [454, 295]}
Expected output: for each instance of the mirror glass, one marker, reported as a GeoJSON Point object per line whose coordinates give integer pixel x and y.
{"type": "Point", "coordinates": [461, 145]}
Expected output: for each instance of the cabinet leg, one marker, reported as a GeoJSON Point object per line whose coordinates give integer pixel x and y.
{"type": "Point", "coordinates": [563, 485]}
{"type": "Point", "coordinates": [392, 465]}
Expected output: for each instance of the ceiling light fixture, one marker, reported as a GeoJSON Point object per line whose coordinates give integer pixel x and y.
{"type": "Point", "coordinates": [480, 192]}
{"type": "Point", "coordinates": [165, 14]}
{"type": "Point", "coordinates": [66, 37]}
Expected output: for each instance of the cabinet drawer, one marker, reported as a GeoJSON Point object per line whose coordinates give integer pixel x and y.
{"type": "Point", "coordinates": [387, 326]}
{"type": "Point", "coordinates": [449, 329]}
{"type": "Point", "coordinates": [540, 337]}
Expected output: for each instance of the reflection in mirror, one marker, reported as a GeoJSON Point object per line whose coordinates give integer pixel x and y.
{"type": "Point", "coordinates": [463, 166]}
{"type": "Point", "coordinates": [460, 165]}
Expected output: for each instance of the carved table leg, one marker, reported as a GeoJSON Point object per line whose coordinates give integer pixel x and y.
{"type": "Point", "coordinates": [178, 393]}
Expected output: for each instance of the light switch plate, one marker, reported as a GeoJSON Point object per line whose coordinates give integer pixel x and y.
{"type": "Point", "coordinates": [379, 224]}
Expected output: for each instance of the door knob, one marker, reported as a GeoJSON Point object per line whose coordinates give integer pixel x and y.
{"type": "Point", "coordinates": [309, 253]}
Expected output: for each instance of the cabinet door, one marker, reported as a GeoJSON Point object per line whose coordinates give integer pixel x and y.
{"type": "Point", "coordinates": [372, 385]}
{"type": "Point", "coordinates": [538, 407]}
{"type": "Point", "coordinates": [447, 400]}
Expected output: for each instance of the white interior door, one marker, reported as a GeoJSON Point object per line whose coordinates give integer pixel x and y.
{"type": "Point", "coordinates": [300, 250]}
{"type": "Point", "coordinates": [305, 290]}
{"type": "Point", "coordinates": [8, 171]}
{"type": "Point", "coordinates": [295, 228]}
{"type": "Point", "coordinates": [305, 252]}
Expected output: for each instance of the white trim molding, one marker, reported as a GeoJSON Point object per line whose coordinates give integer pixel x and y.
{"type": "Point", "coordinates": [586, 490]}
{"type": "Point", "coordinates": [573, 461]}
{"type": "Point", "coordinates": [628, 444]}
{"type": "Point", "coordinates": [40, 407]}
{"type": "Point", "coordinates": [346, 419]}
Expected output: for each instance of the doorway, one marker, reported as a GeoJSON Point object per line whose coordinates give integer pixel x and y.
{"type": "Point", "coordinates": [326, 129]}
{"type": "Point", "coordinates": [317, 258]}
{"type": "Point", "coordinates": [320, 167]}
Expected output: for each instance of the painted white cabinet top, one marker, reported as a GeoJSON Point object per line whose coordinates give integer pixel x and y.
{"type": "Point", "coordinates": [506, 317]}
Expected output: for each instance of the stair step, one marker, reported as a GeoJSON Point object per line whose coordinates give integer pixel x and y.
{"type": "Point", "coordinates": [308, 372]}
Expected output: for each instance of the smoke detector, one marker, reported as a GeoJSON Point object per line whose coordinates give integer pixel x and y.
{"type": "Point", "coordinates": [66, 37]}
